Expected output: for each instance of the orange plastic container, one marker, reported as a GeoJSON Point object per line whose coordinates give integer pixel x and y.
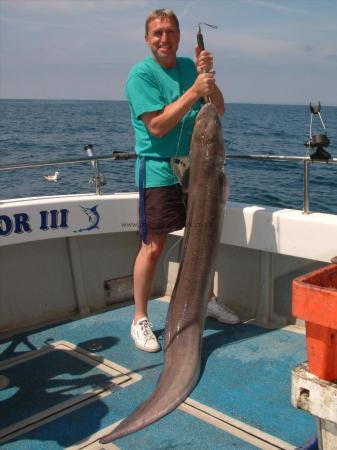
{"type": "Point", "coordinates": [314, 299]}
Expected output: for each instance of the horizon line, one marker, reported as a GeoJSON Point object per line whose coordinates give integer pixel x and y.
{"type": "Point", "coordinates": [245, 102]}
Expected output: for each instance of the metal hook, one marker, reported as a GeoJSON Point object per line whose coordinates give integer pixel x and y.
{"type": "Point", "coordinates": [200, 38]}
{"type": "Point", "coordinates": [201, 45]}
{"type": "Point", "coordinates": [204, 23]}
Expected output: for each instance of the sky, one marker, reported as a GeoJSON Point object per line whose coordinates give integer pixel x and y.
{"type": "Point", "coordinates": [265, 51]}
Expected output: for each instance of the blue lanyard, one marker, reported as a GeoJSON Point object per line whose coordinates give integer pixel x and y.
{"type": "Point", "coordinates": [142, 216]}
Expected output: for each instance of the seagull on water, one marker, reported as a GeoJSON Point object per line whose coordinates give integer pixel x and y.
{"type": "Point", "coordinates": [54, 177]}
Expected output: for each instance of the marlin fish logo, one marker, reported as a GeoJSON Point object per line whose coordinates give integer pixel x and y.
{"type": "Point", "coordinates": [93, 216]}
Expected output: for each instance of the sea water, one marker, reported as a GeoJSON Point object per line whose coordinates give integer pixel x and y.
{"type": "Point", "coordinates": [42, 130]}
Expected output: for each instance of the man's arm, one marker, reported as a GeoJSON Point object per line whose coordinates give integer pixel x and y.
{"type": "Point", "coordinates": [161, 122]}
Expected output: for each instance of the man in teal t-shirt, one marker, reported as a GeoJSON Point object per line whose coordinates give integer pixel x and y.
{"type": "Point", "coordinates": [165, 93]}
{"type": "Point", "coordinates": [150, 87]}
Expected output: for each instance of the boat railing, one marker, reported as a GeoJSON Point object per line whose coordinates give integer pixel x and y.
{"type": "Point", "coordinates": [117, 155]}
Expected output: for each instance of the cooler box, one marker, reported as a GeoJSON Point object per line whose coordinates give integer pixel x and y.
{"type": "Point", "coordinates": [314, 299]}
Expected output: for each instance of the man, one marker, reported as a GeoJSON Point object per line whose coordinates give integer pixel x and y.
{"type": "Point", "coordinates": [165, 94]}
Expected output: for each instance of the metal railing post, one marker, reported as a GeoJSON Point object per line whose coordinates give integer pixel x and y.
{"type": "Point", "coordinates": [306, 191]}
{"type": "Point", "coordinates": [97, 178]}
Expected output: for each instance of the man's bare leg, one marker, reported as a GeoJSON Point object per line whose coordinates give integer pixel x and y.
{"type": "Point", "coordinates": [211, 293]}
{"type": "Point", "coordinates": [144, 270]}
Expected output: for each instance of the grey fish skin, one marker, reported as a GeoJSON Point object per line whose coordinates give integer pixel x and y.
{"type": "Point", "coordinates": [188, 305]}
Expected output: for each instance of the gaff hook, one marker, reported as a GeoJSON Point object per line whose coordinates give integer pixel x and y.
{"type": "Point", "coordinates": [201, 45]}
{"type": "Point", "coordinates": [200, 38]}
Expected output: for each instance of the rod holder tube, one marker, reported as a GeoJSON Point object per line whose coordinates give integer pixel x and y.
{"type": "Point", "coordinates": [97, 178]}
{"type": "Point", "coordinates": [306, 190]}
{"type": "Point", "coordinates": [88, 149]}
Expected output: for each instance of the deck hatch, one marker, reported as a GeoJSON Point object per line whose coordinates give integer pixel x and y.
{"type": "Point", "coordinates": [51, 382]}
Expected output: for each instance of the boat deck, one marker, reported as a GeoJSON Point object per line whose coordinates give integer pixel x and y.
{"type": "Point", "coordinates": [65, 386]}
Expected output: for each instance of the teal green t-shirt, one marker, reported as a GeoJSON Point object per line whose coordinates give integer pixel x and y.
{"type": "Point", "coordinates": [150, 87]}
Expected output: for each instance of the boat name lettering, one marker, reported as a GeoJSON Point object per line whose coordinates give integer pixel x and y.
{"type": "Point", "coordinates": [19, 223]}
{"type": "Point", "coordinates": [58, 219]}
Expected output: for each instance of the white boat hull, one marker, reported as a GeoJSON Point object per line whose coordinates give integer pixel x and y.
{"type": "Point", "coordinates": [59, 259]}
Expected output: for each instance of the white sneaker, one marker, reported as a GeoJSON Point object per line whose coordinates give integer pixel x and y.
{"type": "Point", "coordinates": [221, 312]}
{"type": "Point", "coordinates": [143, 336]}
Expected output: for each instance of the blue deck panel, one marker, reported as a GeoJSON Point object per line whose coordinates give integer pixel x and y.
{"type": "Point", "coordinates": [245, 374]}
{"type": "Point", "coordinates": [176, 431]}
{"type": "Point", "coordinates": [54, 378]}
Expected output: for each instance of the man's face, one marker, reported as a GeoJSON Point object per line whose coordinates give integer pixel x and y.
{"type": "Point", "coordinates": [163, 39]}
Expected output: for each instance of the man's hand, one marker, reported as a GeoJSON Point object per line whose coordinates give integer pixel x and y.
{"type": "Point", "coordinates": [204, 85]}
{"type": "Point", "coordinates": [203, 60]}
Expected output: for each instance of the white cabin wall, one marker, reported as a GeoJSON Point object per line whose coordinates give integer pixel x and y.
{"type": "Point", "coordinates": [103, 257]}
{"type": "Point", "coordinates": [35, 284]}
{"type": "Point", "coordinates": [238, 279]}
{"type": "Point", "coordinates": [51, 274]}
{"type": "Point", "coordinates": [255, 284]}
{"type": "Point", "coordinates": [50, 280]}
{"type": "Point", "coordinates": [284, 270]}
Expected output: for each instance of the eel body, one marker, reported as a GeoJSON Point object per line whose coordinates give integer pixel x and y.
{"type": "Point", "coordinates": [188, 305]}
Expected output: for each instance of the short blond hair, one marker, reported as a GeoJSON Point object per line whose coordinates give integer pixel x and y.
{"type": "Point", "coordinates": [161, 14]}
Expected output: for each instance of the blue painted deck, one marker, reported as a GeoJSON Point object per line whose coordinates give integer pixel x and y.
{"type": "Point", "coordinates": [245, 374]}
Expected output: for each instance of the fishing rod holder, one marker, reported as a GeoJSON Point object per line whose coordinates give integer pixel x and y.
{"type": "Point", "coordinates": [317, 142]}
{"type": "Point", "coordinates": [97, 179]}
